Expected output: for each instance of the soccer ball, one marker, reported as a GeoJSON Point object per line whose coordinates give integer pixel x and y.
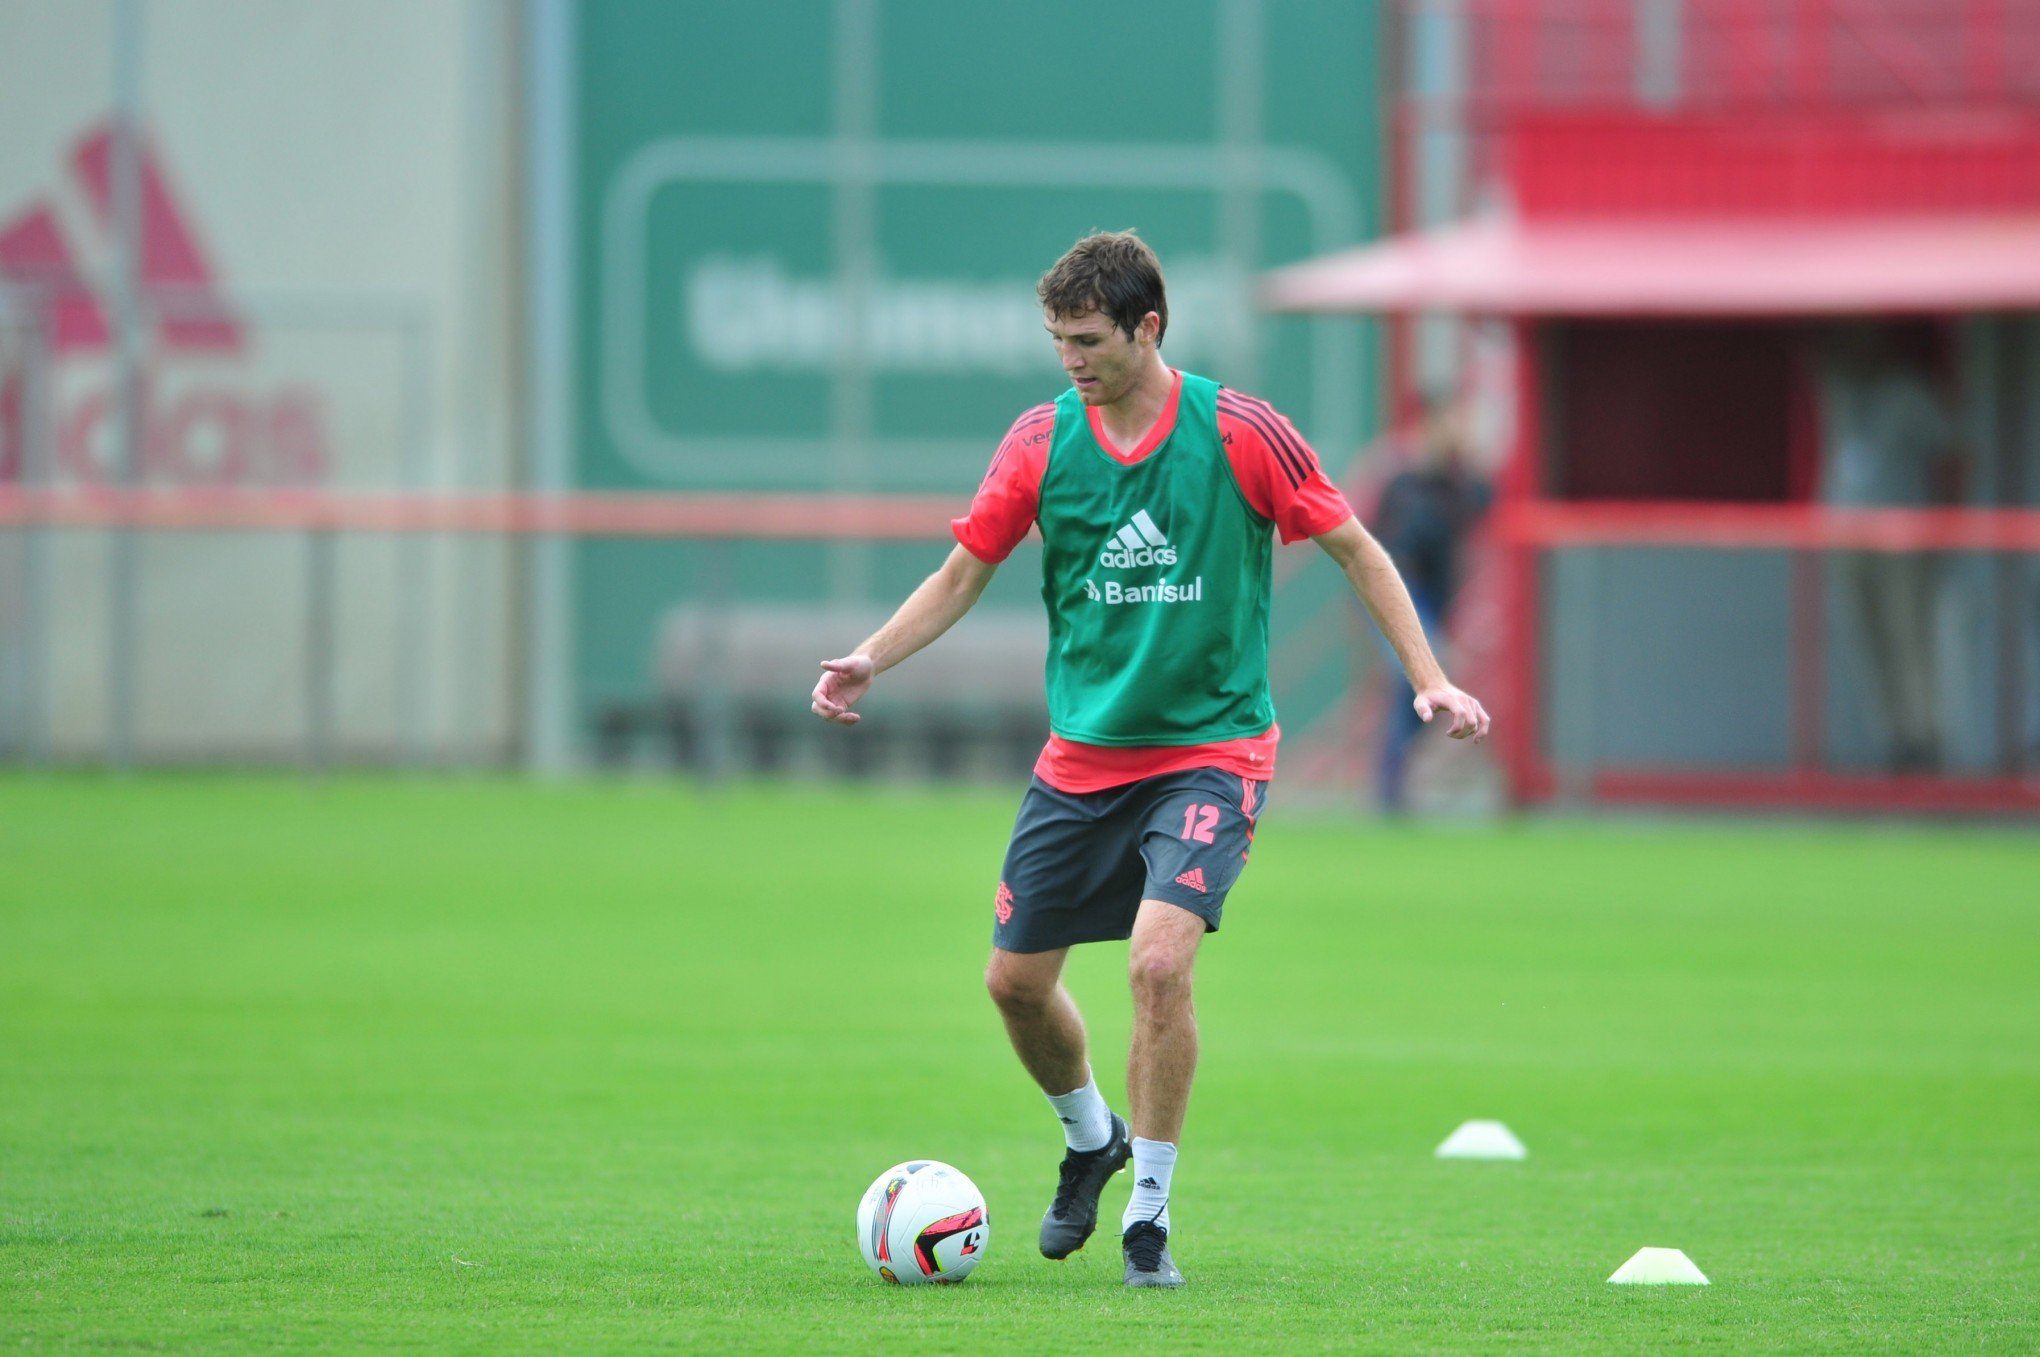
{"type": "Point", "coordinates": [922, 1222]}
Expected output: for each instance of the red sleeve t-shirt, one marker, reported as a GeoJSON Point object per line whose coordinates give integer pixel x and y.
{"type": "Point", "coordinates": [1283, 482]}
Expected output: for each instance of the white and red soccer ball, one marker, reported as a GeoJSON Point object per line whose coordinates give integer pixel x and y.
{"type": "Point", "coordinates": [922, 1221]}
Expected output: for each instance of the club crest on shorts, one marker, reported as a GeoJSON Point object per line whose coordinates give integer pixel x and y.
{"type": "Point", "coordinates": [1002, 904]}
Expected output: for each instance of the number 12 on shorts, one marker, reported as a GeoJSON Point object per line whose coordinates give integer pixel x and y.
{"type": "Point", "coordinates": [1198, 822]}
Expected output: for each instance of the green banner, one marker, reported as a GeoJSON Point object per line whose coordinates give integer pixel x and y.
{"type": "Point", "coordinates": [808, 234]}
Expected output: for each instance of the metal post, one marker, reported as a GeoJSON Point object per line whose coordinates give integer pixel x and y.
{"type": "Point", "coordinates": [550, 354]}
{"type": "Point", "coordinates": [714, 703]}
{"type": "Point", "coordinates": [1242, 54]}
{"type": "Point", "coordinates": [489, 39]}
{"type": "Point", "coordinates": [416, 576]}
{"type": "Point", "coordinates": [321, 550]}
{"type": "Point", "coordinates": [37, 431]}
{"type": "Point", "coordinates": [1808, 660]}
{"type": "Point", "coordinates": [2014, 432]}
{"type": "Point", "coordinates": [123, 656]}
{"type": "Point", "coordinates": [1439, 61]}
{"type": "Point", "coordinates": [1578, 779]}
{"type": "Point", "coordinates": [854, 116]}
{"type": "Point", "coordinates": [1660, 54]}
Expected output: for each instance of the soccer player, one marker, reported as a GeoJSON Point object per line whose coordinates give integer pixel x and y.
{"type": "Point", "coordinates": [1158, 494]}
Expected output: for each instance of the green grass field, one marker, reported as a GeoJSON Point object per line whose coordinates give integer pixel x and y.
{"type": "Point", "coordinates": [476, 1066]}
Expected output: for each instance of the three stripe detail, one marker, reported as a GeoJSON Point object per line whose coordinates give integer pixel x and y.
{"type": "Point", "coordinates": [1290, 451]}
{"type": "Point", "coordinates": [1140, 532]}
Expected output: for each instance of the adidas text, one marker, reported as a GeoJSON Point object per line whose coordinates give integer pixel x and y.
{"type": "Point", "coordinates": [1192, 592]}
{"type": "Point", "coordinates": [1127, 560]}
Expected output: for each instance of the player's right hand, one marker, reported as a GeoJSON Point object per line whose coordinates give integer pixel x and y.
{"type": "Point", "coordinates": [1469, 718]}
{"type": "Point", "coordinates": [843, 682]}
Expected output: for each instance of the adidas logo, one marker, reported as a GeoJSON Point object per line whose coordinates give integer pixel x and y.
{"type": "Point", "coordinates": [1139, 543]}
{"type": "Point", "coordinates": [1194, 879]}
{"type": "Point", "coordinates": [206, 418]}
{"type": "Point", "coordinates": [1148, 1183]}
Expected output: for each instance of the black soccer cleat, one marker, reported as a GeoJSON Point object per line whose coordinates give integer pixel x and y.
{"type": "Point", "coordinates": [1146, 1246]}
{"type": "Point", "coordinates": [1073, 1215]}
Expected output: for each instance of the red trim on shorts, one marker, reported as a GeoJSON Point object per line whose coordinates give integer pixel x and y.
{"type": "Point", "coordinates": [1075, 768]}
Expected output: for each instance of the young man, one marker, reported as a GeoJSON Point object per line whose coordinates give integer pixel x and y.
{"type": "Point", "coordinates": [1157, 494]}
{"type": "Point", "coordinates": [1425, 514]}
{"type": "Point", "coordinates": [1891, 442]}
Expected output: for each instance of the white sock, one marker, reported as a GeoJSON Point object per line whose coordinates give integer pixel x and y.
{"type": "Point", "coordinates": [1154, 1163]}
{"type": "Point", "coordinates": [1086, 1120]}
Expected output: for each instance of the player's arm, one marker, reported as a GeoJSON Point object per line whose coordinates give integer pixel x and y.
{"type": "Point", "coordinates": [1374, 578]}
{"type": "Point", "coordinates": [1000, 515]}
{"type": "Point", "coordinates": [929, 611]}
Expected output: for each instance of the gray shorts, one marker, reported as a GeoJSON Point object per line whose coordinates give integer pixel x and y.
{"type": "Point", "coordinates": [1080, 863]}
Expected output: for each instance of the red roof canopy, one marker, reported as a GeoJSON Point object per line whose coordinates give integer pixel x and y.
{"type": "Point", "coordinates": [1680, 267]}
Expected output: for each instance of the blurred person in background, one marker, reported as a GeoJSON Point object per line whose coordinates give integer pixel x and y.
{"type": "Point", "coordinates": [1889, 442]}
{"type": "Point", "coordinates": [1422, 519]}
{"type": "Point", "coordinates": [1158, 494]}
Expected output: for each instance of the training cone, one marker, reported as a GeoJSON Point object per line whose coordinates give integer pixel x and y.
{"type": "Point", "coordinates": [1660, 1267]}
{"type": "Point", "coordinates": [1482, 1140]}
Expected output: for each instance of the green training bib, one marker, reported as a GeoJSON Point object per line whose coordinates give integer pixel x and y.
{"type": "Point", "coordinates": [1156, 577]}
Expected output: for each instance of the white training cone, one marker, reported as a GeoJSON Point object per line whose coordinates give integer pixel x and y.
{"type": "Point", "coordinates": [1482, 1140]}
{"type": "Point", "coordinates": [1660, 1267]}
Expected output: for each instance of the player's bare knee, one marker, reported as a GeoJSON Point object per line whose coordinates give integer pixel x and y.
{"type": "Point", "coordinates": [1013, 989]}
{"type": "Point", "coordinates": [1159, 974]}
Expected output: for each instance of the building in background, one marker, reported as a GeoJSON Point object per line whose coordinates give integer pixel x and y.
{"type": "Point", "coordinates": [1660, 206]}
{"type": "Point", "coordinates": [313, 248]}
{"type": "Point", "coordinates": [800, 243]}
{"type": "Point", "coordinates": [717, 308]}
{"type": "Point", "coordinates": [600, 248]}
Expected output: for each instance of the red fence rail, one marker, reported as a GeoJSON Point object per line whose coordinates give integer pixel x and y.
{"type": "Point", "coordinates": [1536, 523]}
{"type": "Point", "coordinates": [804, 517]}
{"type": "Point", "coordinates": [1782, 527]}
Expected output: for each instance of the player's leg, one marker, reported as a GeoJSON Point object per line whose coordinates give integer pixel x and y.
{"type": "Point", "coordinates": [1041, 1018]}
{"type": "Point", "coordinates": [1400, 725]}
{"type": "Point", "coordinates": [1198, 832]}
{"type": "Point", "coordinates": [1868, 578]}
{"type": "Point", "coordinates": [1162, 1060]}
{"type": "Point", "coordinates": [1400, 722]}
{"type": "Point", "coordinates": [1047, 1033]}
{"type": "Point", "coordinates": [1056, 868]}
{"type": "Point", "coordinates": [1913, 581]}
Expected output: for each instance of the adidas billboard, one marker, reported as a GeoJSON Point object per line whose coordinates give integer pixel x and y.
{"type": "Point", "coordinates": [214, 404]}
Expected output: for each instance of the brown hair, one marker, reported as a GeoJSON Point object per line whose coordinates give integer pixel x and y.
{"type": "Point", "coordinates": [1112, 271]}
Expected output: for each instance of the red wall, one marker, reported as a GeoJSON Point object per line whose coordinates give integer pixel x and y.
{"type": "Point", "coordinates": [1810, 163]}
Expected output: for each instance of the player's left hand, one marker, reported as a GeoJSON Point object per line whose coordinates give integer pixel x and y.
{"type": "Point", "coordinates": [843, 682]}
{"type": "Point", "coordinates": [1469, 718]}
